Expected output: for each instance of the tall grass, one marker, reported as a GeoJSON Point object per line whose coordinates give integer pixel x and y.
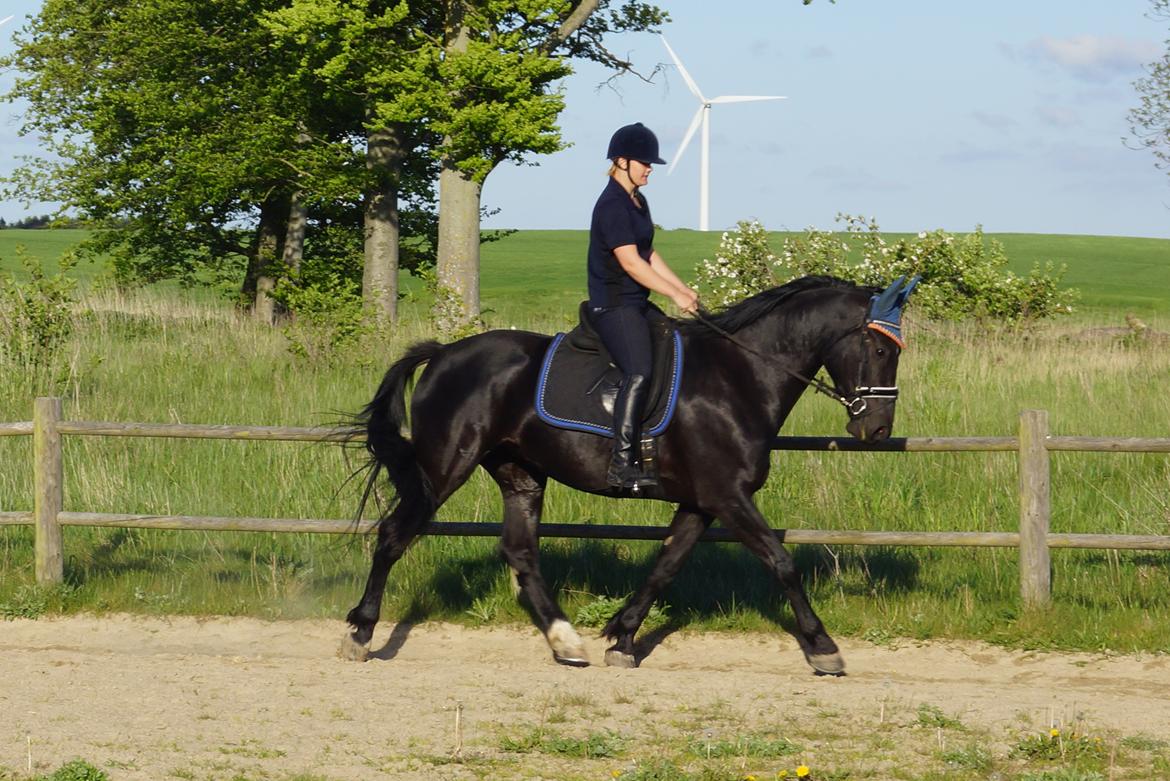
{"type": "Point", "coordinates": [169, 357]}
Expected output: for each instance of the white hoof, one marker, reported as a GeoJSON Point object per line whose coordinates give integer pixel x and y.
{"type": "Point", "coordinates": [351, 650]}
{"type": "Point", "coordinates": [566, 644]}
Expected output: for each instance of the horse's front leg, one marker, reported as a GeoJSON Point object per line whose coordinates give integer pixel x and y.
{"type": "Point", "coordinates": [744, 519]}
{"type": "Point", "coordinates": [685, 529]}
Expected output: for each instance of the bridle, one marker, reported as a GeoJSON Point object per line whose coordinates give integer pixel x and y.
{"type": "Point", "coordinates": [856, 404]}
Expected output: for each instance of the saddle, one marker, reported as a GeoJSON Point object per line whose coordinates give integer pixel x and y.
{"type": "Point", "coordinates": [578, 381]}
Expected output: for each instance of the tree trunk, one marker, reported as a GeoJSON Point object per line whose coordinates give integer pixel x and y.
{"type": "Point", "coordinates": [458, 255]}
{"type": "Point", "coordinates": [384, 156]}
{"type": "Point", "coordinates": [267, 247]}
{"type": "Point", "coordinates": [294, 236]}
{"type": "Point", "coordinates": [459, 197]}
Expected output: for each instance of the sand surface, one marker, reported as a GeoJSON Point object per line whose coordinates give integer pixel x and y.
{"type": "Point", "coordinates": [155, 698]}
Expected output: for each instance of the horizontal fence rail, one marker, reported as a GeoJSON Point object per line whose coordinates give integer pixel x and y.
{"type": "Point", "coordinates": [1032, 445]}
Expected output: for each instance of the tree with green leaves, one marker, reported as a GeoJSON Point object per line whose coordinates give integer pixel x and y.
{"type": "Point", "coordinates": [172, 125]}
{"type": "Point", "coordinates": [364, 56]}
{"type": "Point", "coordinates": [1150, 121]}
{"type": "Point", "coordinates": [207, 137]}
{"type": "Point", "coordinates": [497, 73]}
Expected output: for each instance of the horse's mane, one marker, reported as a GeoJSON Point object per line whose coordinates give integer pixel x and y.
{"type": "Point", "coordinates": [754, 307]}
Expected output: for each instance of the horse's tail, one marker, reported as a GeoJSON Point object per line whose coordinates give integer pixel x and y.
{"type": "Point", "coordinates": [384, 421]}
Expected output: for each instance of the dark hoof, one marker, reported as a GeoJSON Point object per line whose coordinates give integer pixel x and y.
{"type": "Point", "coordinates": [826, 664]}
{"type": "Point", "coordinates": [616, 658]}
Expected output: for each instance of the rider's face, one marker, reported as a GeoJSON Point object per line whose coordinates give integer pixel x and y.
{"type": "Point", "coordinates": [639, 172]}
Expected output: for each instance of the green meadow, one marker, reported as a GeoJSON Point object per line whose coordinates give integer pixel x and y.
{"type": "Point", "coordinates": [167, 354]}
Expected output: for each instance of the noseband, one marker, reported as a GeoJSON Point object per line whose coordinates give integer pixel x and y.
{"type": "Point", "coordinates": [856, 405]}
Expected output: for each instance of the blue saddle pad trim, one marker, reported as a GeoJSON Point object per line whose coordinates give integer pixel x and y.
{"type": "Point", "coordinates": [573, 424]}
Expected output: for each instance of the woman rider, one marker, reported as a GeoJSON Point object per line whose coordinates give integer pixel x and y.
{"type": "Point", "coordinates": [623, 270]}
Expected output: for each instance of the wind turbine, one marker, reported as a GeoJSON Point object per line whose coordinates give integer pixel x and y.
{"type": "Point", "coordinates": [6, 20]}
{"type": "Point", "coordinates": [703, 116]}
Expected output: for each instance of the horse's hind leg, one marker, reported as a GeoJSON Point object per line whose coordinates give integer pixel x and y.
{"type": "Point", "coordinates": [744, 520]}
{"type": "Point", "coordinates": [520, 546]}
{"type": "Point", "coordinates": [685, 530]}
{"type": "Point", "coordinates": [395, 533]}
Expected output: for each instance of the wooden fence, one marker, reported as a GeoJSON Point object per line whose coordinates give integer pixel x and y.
{"type": "Point", "coordinates": [1033, 444]}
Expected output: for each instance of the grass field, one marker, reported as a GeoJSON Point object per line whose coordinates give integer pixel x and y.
{"type": "Point", "coordinates": [173, 355]}
{"type": "Point", "coordinates": [544, 272]}
{"type": "Point", "coordinates": [1113, 274]}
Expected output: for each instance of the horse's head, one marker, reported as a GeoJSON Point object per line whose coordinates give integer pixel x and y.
{"type": "Point", "coordinates": [864, 364]}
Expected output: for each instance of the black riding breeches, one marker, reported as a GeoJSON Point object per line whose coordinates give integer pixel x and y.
{"type": "Point", "coordinates": [625, 332]}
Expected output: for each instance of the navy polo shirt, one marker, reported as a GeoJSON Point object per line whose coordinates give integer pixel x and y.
{"type": "Point", "coordinates": [617, 222]}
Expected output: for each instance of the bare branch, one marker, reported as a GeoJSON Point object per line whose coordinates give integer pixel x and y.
{"type": "Point", "coordinates": [571, 25]}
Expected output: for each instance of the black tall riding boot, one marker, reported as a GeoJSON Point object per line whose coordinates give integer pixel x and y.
{"type": "Point", "coordinates": [625, 470]}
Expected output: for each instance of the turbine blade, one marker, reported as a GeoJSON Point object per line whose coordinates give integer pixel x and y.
{"type": "Point", "coordinates": [691, 85]}
{"type": "Point", "coordinates": [745, 98]}
{"type": "Point", "coordinates": [6, 20]}
{"type": "Point", "coordinates": [698, 118]}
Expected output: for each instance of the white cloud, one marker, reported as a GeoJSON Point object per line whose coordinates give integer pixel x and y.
{"type": "Point", "coordinates": [1092, 58]}
{"type": "Point", "coordinates": [967, 154]}
{"type": "Point", "coordinates": [835, 175]}
{"type": "Point", "coordinates": [1000, 122]}
{"type": "Point", "coordinates": [1058, 116]}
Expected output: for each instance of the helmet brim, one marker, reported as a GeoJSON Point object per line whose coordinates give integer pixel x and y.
{"type": "Point", "coordinates": [651, 161]}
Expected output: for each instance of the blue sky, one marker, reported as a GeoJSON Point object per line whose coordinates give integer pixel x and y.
{"type": "Point", "coordinates": [922, 114]}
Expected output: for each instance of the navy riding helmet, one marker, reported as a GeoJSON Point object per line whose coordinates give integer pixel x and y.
{"type": "Point", "coordinates": [635, 142]}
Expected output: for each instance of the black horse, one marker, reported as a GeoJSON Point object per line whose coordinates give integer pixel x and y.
{"type": "Point", "coordinates": [744, 370]}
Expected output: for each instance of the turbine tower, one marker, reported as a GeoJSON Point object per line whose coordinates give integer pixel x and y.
{"type": "Point", "coordinates": [703, 116]}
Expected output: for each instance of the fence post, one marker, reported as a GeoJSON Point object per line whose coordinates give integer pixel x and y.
{"type": "Point", "coordinates": [1035, 510]}
{"type": "Point", "coordinates": [48, 489]}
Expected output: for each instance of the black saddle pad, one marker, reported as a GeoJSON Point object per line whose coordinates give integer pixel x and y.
{"type": "Point", "coordinates": [578, 384]}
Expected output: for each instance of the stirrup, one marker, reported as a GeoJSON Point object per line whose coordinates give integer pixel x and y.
{"type": "Point", "coordinates": [630, 476]}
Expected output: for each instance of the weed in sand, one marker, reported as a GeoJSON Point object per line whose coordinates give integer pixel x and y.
{"type": "Point", "coordinates": [1057, 745]}
{"type": "Point", "coordinates": [596, 745]}
{"type": "Point", "coordinates": [932, 716]}
{"type": "Point", "coordinates": [972, 758]}
{"type": "Point", "coordinates": [754, 746]}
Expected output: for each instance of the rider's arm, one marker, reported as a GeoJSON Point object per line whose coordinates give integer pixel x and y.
{"type": "Point", "coordinates": [648, 276]}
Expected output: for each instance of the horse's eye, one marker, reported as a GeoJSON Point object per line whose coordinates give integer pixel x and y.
{"type": "Point", "coordinates": [881, 351]}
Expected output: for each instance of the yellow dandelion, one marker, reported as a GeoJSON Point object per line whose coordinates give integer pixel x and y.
{"type": "Point", "coordinates": [615, 774]}
{"type": "Point", "coordinates": [1054, 732]}
{"type": "Point", "coordinates": [749, 778]}
{"type": "Point", "coordinates": [782, 774]}
{"type": "Point", "coordinates": [802, 771]}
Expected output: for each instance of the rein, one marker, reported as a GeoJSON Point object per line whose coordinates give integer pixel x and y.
{"type": "Point", "coordinates": [854, 405]}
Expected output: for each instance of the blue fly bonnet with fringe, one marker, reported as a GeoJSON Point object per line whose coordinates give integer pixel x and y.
{"type": "Point", "coordinates": [885, 309]}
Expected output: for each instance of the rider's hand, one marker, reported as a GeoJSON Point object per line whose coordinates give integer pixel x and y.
{"type": "Point", "coordinates": [686, 300]}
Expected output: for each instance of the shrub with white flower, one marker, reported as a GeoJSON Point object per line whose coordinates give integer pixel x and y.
{"type": "Point", "coordinates": [962, 276]}
{"type": "Point", "coordinates": [742, 267]}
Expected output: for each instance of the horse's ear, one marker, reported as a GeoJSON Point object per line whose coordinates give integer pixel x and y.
{"type": "Point", "coordinates": [883, 302]}
{"type": "Point", "coordinates": [885, 309]}
{"type": "Point", "coordinates": [907, 289]}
